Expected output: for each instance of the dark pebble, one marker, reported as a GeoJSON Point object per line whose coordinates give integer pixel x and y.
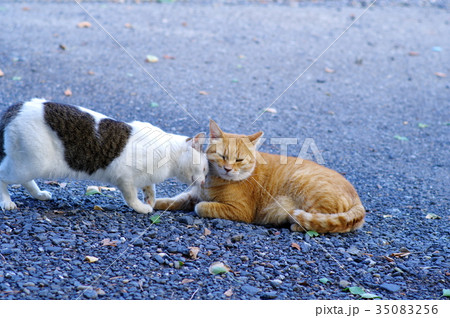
{"type": "Point", "coordinates": [269, 295]}
{"type": "Point", "coordinates": [189, 220]}
{"type": "Point", "coordinates": [237, 238]}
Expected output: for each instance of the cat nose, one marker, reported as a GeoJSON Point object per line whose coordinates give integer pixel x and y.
{"type": "Point", "coordinates": [227, 169]}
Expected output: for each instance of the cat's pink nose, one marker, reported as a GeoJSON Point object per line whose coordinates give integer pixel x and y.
{"type": "Point", "coordinates": [227, 169]}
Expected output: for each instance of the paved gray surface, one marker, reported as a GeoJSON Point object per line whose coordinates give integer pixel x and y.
{"type": "Point", "coordinates": [365, 116]}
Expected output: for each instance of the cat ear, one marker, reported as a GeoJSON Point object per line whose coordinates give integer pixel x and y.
{"type": "Point", "coordinates": [256, 138]}
{"type": "Point", "coordinates": [214, 130]}
{"type": "Point", "coordinates": [197, 141]}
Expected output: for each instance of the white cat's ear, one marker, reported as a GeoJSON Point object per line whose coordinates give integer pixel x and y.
{"type": "Point", "coordinates": [256, 138]}
{"type": "Point", "coordinates": [214, 130]}
{"type": "Point", "coordinates": [197, 141]}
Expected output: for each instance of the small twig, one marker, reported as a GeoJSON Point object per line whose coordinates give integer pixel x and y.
{"type": "Point", "coordinates": [194, 293]}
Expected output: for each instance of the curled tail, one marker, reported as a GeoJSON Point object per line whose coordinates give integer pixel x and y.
{"type": "Point", "coordinates": [329, 223]}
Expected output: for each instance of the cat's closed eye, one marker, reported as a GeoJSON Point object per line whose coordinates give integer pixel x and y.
{"type": "Point", "coordinates": [239, 160]}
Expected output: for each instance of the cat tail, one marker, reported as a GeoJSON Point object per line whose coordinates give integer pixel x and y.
{"type": "Point", "coordinates": [329, 223]}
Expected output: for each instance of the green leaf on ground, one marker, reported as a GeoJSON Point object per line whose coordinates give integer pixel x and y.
{"type": "Point", "coordinates": [446, 292]}
{"type": "Point", "coordinates": [356, 290]}
{"type": "Point", "coordinates": [218, 268]}
{"type": "Point", "coordinates": [155, 218]}
{"type": "Point", "coordinates": [324, 280]}
{"type": "Point", "coordinates": [154, 104]}
{"type": "Point", "coordinates": [402, 138]}
{"type": "Point", "coordinates": [93, 190]}
{"type": "Point", "coordinates": [420, 125]}
{"type": "Point", "coordinates": [369, 296]}
{"type": "Point", "coordinates": [312, 233]}
{"type": "Point", "coordinates": [17, 78]}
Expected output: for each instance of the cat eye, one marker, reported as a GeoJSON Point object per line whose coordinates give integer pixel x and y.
{"type": "Point", "coordinates": [239, 160]}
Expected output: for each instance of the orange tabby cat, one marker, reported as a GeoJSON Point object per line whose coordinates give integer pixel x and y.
{"type": "Point", "coordinates": [255, 187]}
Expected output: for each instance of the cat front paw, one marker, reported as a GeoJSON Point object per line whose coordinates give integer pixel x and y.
{"type": "Point", "coordinates": [143, 209]}
{"type": "Point", "coordinates": [44, 196]}
{"type": "Point", "coordinates": [8, 205]}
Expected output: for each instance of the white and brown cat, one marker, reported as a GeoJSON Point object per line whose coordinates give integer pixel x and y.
{"type": "Point", "coordinates": [255, 187]}
{"type": "Point", "coordinates": [41, 139]}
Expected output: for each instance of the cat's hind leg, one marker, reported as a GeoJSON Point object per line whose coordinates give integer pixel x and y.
{"type": "Point", "coordinates": [183, 202]}
{"type": "Point", "coordinates": [129, 193]}
{"type": "Point", "coordinates": [5, 198]}
{"type": "Point", "coordinates": [34, 190]}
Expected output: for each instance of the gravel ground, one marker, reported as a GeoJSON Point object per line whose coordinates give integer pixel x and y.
{"type": "Point", "coordinates": [376, 104]}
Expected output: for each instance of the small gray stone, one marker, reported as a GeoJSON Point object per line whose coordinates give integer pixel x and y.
{"type": "Point", "coordinates": [237, 238]}
{"type": "Point", "coordinates": [276, 283]}
{"type": "Point", "coordinates": [343, 283]}
{"type": "Point", "coordinates": [393, 288]}
{"type": "Point", "coordinates": [159, 259]}
{"type": "Point", "coordinates": [353, 250]}
{"type": "Point", "coordinates": [250, 289]}
{"type": "Point", "coordinates": [90, 294]}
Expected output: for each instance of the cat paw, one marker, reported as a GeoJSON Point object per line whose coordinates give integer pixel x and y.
{"type": "Point", "coordinates": [200, 210]}
{"type": "Point", "coordinates": [44, 196]}
{"type": "Point", "coordinates": [144, 209]}
{"type": "Point", "coordinates": [8, 205]}
{"type": "Point", "coordinates": [150, 201]}
{"type": "Point", "coordinates": [297, 228]}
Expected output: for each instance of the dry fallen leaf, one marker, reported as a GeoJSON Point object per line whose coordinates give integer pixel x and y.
{"type": "Point", "coordinates": [412, 53]}
{"type": "Point", "coordinates": [151, 59]}
{"type": "Point", "coordinates": [187, 281]}
{"type": "Point", "coordinates": [193, 252]}
{"type": "Point", "coordinates": [203, 93]}
{"type": "Point", "coordinates": [63, 47]}
{"type": "Point", "coordinates": [229, 292]}
{"type": "Point", "coordinates": [26, 9]}
{"type": "Point", "coordinates": [271, 110]}
{"type": "Point", "coordinates": [107, 188]}
{"type": "Point", "coordinates": [402, 254]}
{"type": "Point", "coordinates": [98, 208]}
{"type": "Point", "coordinates": [84, 24]}
{"type": "Point", "coordinates": [439, 74]}
{"type": "Point", "coordinates": [108, 242]}
{"type": "Point", "coordinates": [432, 216]}
{"type": "Point", "coordinates": [329, 70]}
{"type": "Point", "coordinates": [206, 232]}
{"type": "Point", "coordinates": [91, 73]}
{"type": "Point", "coordinates": [128, 25]}
{"type": "Point", "coordinates": [68, 92]}
{"type": "Point", "coordinates": [169, 57]}
{"type": "Point", "coordinates": [295, 245]}
{"type": "Point", "coordinates": [91, 259]}
{"type": "Point", "coordinates": [388, 258]}
{"type": "Point", "coordinates": [1, 73]}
